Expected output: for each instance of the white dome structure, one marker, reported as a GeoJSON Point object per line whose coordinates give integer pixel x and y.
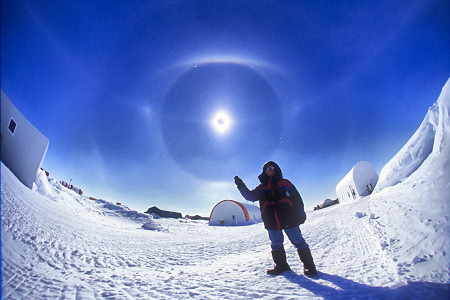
{"type": "Point", "coordinates": [359, 182]}
{"type": "Point", "coordinates": [233, 213]}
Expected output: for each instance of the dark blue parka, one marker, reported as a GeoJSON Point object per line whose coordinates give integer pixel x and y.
{"type": "Point", "coordinates": [280, 203]}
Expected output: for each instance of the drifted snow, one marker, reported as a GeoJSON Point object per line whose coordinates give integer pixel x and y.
{"type": "Point", "coordinates": [69, 247]}
{"type": "Point", "coordinates": [432, 138]}
{"type": "Point", "coordinates": [393, 244]}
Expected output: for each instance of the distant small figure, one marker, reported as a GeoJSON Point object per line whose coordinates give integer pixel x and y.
{"type": "Point", "coordinates": [281, 208]}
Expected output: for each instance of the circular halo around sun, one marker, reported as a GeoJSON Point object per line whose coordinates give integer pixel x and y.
{"type": "Point", "coordinates": [221, 122]}
{"type": "Point", "coordinates": [231, 97]}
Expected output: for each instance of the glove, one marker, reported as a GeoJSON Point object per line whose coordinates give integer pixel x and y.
{"type": "Point", "coordinates": [239, 183]}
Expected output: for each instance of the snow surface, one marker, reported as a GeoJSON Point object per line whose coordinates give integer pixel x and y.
{"type": "Point", "coordinates": [392, 244]}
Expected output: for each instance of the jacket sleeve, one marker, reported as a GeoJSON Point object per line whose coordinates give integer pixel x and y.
{"type": "Point", "coordinates": [298, 203]}
{"type": "Point", "coordinates": [250, 195]}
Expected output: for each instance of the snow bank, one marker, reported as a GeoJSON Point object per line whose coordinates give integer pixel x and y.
{"type": "Point", "coordinates": [52, 189]}
{"type": "Point", "coordinates": [432, 137]}
{"type": "Point", "coordinates": [42, 185]}
{"type": "Point", "coordinates": [123, 211]}
{"type": "Point", "coordinates": [151, 225]}
{"type": "Point", "coordinates": [412, 199]}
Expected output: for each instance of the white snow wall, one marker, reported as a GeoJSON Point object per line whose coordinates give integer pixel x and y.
{"type": "Point", "coordinates": [23, 147]}
{"type": "Point", "coordinates": [432, 138]}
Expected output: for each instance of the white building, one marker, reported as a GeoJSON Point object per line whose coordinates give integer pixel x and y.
{"type": "Point", "coordinates": [359, 182]}
{"type": "Point", "coordinates": [232, 213]}
{"type": "Point", "coordinates": [23, 147]}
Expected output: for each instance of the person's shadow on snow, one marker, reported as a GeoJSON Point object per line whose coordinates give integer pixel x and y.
{"type": "Point", "coordinates": [348, 289]}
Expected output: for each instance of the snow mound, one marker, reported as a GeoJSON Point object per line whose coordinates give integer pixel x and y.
{"type": "Point", "coordinates": [412, 199]}
{"type": "Point", "coordinates": [432, 138]}
{"type": "Point", "coordinates": [122, 211]}
{"type": "Point", "coordinates": [151, 225]}
{"type": "Point", "coordinates": [53, 190]}
{"type": "Point", "coordinates": [42, 185]}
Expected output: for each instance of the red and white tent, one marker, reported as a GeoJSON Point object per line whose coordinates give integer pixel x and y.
{"type": "Point", "coordinates": [233, 213]}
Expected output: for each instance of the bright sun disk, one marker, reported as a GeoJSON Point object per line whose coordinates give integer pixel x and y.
{"type": "Point", "coordinates": [221, 122]}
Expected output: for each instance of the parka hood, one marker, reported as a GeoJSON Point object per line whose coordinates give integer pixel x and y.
{"type": "Point", "coordinates": [264, 179]}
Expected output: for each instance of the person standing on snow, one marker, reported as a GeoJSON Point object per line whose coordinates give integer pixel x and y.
{"type": "Point", "coordinates": [281, 209]}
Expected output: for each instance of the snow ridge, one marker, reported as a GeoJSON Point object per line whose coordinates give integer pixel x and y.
{"type": "Point", "coordinates": [431, 137]}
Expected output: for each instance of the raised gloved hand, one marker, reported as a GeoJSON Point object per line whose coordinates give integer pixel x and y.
{"type": "Point", "coordinates": [239, 183]}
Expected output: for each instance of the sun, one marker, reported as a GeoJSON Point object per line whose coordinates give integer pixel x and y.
{"type": "Point", "coordinates": [221, 122]}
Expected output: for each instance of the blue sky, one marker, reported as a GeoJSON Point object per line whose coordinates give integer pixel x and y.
{"type": "Point", "coordinates": [127, 92]}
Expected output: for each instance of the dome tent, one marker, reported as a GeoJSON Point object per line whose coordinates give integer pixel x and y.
{"type": "Point", "coordinates": [233, 213]}
{"type": "Point", "coordinates": [359, 181]}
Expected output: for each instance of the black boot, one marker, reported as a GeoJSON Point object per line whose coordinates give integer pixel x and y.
{"type": "Point", "coordinates": [309, 268]}
{"type": "Point", "coordinates": [279, 257]}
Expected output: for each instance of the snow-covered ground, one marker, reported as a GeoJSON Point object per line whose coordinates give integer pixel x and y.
{"type": "Point", "coordinates": [391, 245]}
